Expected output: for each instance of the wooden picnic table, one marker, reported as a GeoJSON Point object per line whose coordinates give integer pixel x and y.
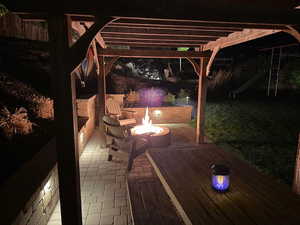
{"type": "Point", "coordinates": [253, 198]}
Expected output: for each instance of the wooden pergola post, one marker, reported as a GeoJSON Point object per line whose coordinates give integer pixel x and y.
{"type": "Point", "coordinates": [66, 120]}
{"type": "Point", "coordinates": [101, 90]}
{"type": "Point", "coordinates": [296, 183]}
{"type": "Point", "coordinates": [201, 100]}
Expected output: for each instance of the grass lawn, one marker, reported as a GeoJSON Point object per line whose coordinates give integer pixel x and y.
{"type": "Point", "coordinates": [261, 131]}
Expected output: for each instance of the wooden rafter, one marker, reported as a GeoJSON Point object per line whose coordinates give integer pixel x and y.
{"type": "Point", "coordinates": [151, 53]}
{"type": "Point", "coordinates": [144, 31]}
{"type": "Point", "coordinates": [152, 44]}
{"type": "Point", "coordinates": [194, 24]}
{"type": "Point", "coordinates": [179, 28]}
{"type": "Point", "coordinates": [267, 11]}
{"type": "Point", "coordinates": [43, 17]}
{"type": "Point", "coordinates": [155, 37]}
{"type": "Point", "coordinates": [153, 41]}
{"type": "Point", "coordinates": [238, 37]}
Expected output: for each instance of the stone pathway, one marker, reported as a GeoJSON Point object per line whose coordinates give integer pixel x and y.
{"type": "Point", "coordinates": [103, 188]}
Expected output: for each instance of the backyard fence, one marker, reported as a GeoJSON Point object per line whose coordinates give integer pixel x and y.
{"type": "Point", "coordinates": [13, 26]}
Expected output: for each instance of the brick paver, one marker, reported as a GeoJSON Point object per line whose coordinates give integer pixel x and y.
{"type": "Point", "coordinates": [103, 188]}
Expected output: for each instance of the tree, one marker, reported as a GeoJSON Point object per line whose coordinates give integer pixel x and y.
{"type": "Point", "coordinates": [3, 10]}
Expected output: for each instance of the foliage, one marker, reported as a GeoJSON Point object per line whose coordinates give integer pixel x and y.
{"type": "Point", "coordinates": [294, 73]}
{"type": "Point", "coordinates": [264, 134]}
{"type": "Point", "coordinates": [3, 10]}
{"type": "Point", "coordinates": [169, 98]}
{"type": "Point", "coordinates": [15, 123]}
{"type": "Point", "coordinates": [40, 105]}
{"type": "Point", "coordinates": [183, 93]}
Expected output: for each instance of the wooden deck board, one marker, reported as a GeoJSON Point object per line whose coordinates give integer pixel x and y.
{"type": "Point", "coordinates": [150, 204]}
{"type": "Point", "coordinates": [253, 197]}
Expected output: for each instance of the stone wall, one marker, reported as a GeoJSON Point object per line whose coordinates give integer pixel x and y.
{"type": "Point", "coordinates": [39, 208]}
{"type": "Point", "coordinates": [86, 109]}
{"type": "Point", "coordinates": [170, 114]}
{"type": "Point", "coordinates": [29, 196]}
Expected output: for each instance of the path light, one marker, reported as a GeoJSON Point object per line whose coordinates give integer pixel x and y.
{"type": "Point", "coordinates": [157, 113]}
{"type": "Point", "coordinates": [220, 177]}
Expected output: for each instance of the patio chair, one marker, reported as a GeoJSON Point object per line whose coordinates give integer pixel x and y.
{"type": "Point", "coordinates": [125, 117]}
{"type": "Point", "coordinates": [120, 142]}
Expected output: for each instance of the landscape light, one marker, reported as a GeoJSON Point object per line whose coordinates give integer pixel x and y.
{"type": "Point", "coordinates": [220, 177]}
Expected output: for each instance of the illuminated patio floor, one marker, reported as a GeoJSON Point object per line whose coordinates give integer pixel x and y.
{"type": "Point", "coordinates": [103, 187]}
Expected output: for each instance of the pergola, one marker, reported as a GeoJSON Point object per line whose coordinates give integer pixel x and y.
{"type": "Point", "coordinates": [151, 29]}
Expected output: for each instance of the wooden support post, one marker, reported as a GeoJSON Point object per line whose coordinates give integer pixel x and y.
{"type": "Point", "coordinates": [101, 90]}
{"type": "Point", "coordinates": [296, 184]}
{"type": "Point", "coordinates": [94, 45]}
{"type": "Point", "coordinates": [109, 64]}
{"type": "Point", "coordinates": [66, 120]}
{"type": "Point", "coordinates": [201, 100]}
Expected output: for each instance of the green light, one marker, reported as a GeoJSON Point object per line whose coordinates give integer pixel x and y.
{"type": "Point", "coordinates": [183, 49]}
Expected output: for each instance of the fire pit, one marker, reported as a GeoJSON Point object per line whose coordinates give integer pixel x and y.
{"type": "Point", "coordinates": [160, 136]}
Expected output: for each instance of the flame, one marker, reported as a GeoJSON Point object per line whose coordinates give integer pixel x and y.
{"type": "Point", "coordinates": [146, 126]}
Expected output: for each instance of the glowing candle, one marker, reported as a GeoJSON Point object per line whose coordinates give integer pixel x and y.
{"type": "Point", "coordinates": [220, 177]}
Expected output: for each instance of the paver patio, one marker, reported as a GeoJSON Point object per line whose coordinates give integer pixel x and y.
{"type": "Point", "coordinates": [103, 184]}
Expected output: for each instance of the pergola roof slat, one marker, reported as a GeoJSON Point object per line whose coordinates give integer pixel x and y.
{"type": "Point", "coordinates": [175, 27]}
{"type": "Point", "coordinates": [155, 37]}
{"type": "Point", "coordinates": [144, 31]}
{"type": "Point", "coordinates": [194, 23]}
{"type": "Point", "coordinates": [158, 44]}
{"type": "Point", "coordinates": [152, 53]}
{"type": "Point", "coordinates": [153, 41]}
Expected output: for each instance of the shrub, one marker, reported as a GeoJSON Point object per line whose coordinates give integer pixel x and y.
{"type": "Point", "coordinates": [40, 105]}
{"type": "Point", "coordinates": [15, 123]}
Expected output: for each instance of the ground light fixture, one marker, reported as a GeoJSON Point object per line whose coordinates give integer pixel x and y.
{"type": "Point", "coordinates": [220, 177]}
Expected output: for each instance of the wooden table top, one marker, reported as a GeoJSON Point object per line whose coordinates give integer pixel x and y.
{"type": "Point", "coordinates": [253, 198]}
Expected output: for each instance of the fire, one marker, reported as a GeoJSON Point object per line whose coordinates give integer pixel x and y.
{"type": "Point", "coordinates": [146, 126]}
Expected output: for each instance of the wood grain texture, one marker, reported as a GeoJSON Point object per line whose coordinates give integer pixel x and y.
{"type": "Point", "coordinates": [253, 198]}
{"type": "Point", "coordinates": [149, 203]}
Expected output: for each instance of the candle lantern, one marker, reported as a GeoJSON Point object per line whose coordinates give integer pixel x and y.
{"type": "Point", "coordinates": [220, 177]}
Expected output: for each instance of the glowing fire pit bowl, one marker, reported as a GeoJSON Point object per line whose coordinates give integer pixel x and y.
{"type": "Point", "coordinates": [160, 136]}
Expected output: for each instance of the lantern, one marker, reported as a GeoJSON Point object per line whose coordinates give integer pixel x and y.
{"type": "Point", "coordinates": [220, 177]}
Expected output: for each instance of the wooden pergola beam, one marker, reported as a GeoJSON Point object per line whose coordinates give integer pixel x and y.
{"type": "Point", "coordinates": [294, 32]}
{"type": "Point", "coordinates": [238, 38]}
{"type": "Point", "coordinates": [155, 37]}
{"type": "Point", "coordinates": [41, 17]}
{"type": "Point", "coordinates": [155, 31]}
{"type": "Point", "coordinates": [151, 53]}
{"type": "Point", "coordinates": [174, 27]}
{"type": "Point", "coordinates": [152, 44]}
{"type": "Point", "coordinates": [267, 11]}
{"type": "Point", "coordinates": [194, 23]}
{"type": "Point", "coordinates": [146, 40]}
{"type": "Point", "coordinates": [98, 36]}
